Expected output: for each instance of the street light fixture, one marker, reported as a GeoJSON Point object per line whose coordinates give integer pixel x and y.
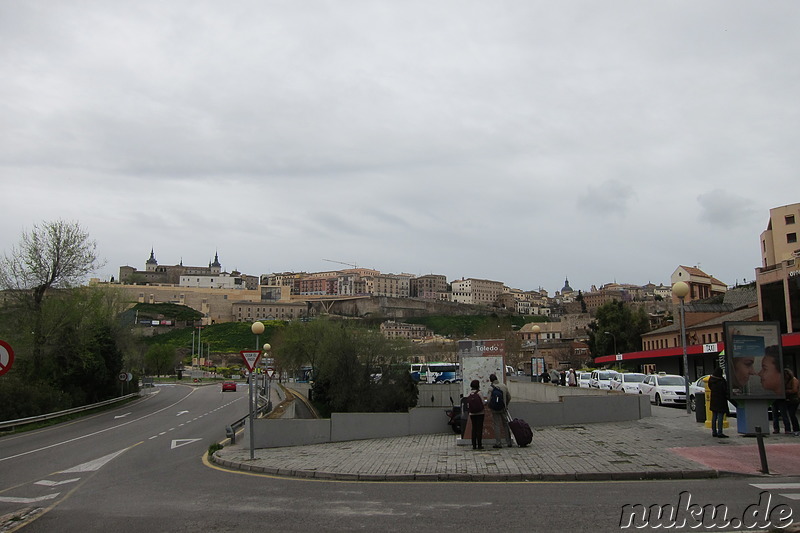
{"type": "Point", "coordinates": [615, 341]}
{"type": "Point", "coordinates": [681, 290]}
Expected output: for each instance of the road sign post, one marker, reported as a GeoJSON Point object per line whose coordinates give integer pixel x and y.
{"type": "Point", "coordinates": [250, 358]}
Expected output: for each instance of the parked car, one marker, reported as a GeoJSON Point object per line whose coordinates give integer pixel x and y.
{"type": "Point", "coordinates": [627, 382]}
{"type": "Point", "coordinates": [699, 386]}
{"type": "Point", "coordinates": [601, 379]}
{"type": "Point", "coordinates": [583, 379]}
{"type": "Point", "coordinates": [664, 389]}
{"type": "Point", "coordinates": [228, 386]}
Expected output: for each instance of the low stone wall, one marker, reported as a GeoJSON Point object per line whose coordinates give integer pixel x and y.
{"type": "Point", "coordinates": [273, 433]}
{"type": "Point", "coordinates": [537, 403]}
{"type": "Point", "coordinates": [545, 392]}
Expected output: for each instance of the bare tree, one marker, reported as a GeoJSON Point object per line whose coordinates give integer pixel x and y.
{"type": "Point", "coordinates": [51, 255]}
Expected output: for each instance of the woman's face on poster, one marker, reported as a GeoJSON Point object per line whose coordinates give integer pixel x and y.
{"type": "Point", "coordinates": [771, 376]}
{"type": "Point", "coordinates": [743, 368]}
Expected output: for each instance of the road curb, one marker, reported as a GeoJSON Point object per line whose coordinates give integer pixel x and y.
{"type": "Point", "coordinates": [557, 477]}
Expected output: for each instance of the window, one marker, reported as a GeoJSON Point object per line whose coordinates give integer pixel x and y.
{"type": "Point", "coordinates": [789, 219]}
{"type": "Point", "coordinates": [791, 237]}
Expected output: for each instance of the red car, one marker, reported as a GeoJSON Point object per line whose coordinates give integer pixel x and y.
{"type": "Point", "coordinates": [228, 385]}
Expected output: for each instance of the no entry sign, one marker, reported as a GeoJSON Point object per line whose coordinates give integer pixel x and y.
{"type": "Point", "coordinates": [6, 357]}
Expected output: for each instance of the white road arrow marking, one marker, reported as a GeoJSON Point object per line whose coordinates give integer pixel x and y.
{"type": "Point", "coordinates": [121, 416]}
{"type": "Point", "coordinates": [177, 443]}
{"type": "Point", "coordinates": [9, 499]}
{"type": "Point", "coordinates": [48, 483]}
{"type": "Point", "coordinates": [182, 413]}
{"type": "Point", "coordinates": [91, 466]}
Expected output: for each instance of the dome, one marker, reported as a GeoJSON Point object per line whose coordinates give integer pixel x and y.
{"type": "Point", "coordinates": [566, 288]}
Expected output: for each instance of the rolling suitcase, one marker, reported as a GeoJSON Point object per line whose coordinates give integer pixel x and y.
{"type": "Point", "coordinates": [523, 433]}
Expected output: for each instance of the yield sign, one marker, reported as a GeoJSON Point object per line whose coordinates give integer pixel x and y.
{"type": "Point", "coordinates": [270, 372]}
{"type": "Point", "coordinates": [6, 357]}
{"type": "Point", "coordinates": [250, 358]}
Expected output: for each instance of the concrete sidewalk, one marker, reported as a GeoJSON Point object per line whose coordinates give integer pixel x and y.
{"type": "Point", "coordinates": [668, 445]}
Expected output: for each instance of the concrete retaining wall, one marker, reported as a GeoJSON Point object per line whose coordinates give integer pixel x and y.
{"type": "Point", "coordinates": [563, 406]}
{"type": "Point", "coordinates": [273, 433]}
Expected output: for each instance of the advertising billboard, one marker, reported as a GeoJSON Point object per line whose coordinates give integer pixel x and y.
{"type": "Point", "coordinates": [754, 360]}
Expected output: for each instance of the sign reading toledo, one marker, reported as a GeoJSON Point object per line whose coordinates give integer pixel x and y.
{"type": "Point", "coordinates": [479, 359]}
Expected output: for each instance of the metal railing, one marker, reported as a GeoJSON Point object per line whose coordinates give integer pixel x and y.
{"type": "Point", "coordinates": [263, 408]}
{"type": "Point", "coordinates": [39, 418]}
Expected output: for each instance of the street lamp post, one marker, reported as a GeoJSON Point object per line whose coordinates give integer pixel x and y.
{"type": "Point", "coordinates": [615, 341]}
{"type": "Point", "coordinates": [257, 328]}
{"type": "Point", "coordinates": [536, 330]}
{"type": "Point", "coordinates": [681, 289]}
{"type": "Point", "coordinates": [267, 379]}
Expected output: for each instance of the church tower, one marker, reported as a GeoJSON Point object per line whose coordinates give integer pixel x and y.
{"type": "Point", "coordinates": [151, 264]}
{"type": "Point", "coordinates": [216, 268]}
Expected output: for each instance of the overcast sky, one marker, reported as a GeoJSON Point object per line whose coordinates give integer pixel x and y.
{"type": "Point", "coordinates": [518, 141]}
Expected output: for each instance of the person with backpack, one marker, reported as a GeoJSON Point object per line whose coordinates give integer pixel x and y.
{"type": "Point", "coordinates": [499, 398]}
{"type": "Point", "coordinates": [476, 414]}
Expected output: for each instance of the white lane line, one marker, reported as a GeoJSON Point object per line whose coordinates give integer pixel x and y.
{"type": "Point", "coordinates": [9, 499]}
{"type": "Point", "coordinates": [48, 483]}
{"type": "Point", "coordinates": [776, 486]}
{"type": "Point", "coordinates": [153, 437]}
{"type": "Point", "coordinates": [96, 432]}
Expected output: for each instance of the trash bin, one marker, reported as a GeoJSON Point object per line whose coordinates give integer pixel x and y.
{"type": "Point", "coordinates": [700, 406]}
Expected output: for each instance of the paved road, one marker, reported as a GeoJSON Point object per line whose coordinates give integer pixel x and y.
{"type": "Point", "coordinates": [159, 482]}
{"type": "Point", "coordinates": [94, 463]}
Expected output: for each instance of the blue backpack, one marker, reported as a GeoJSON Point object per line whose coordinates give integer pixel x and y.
{"type": "Point", "coordinates": [497, 401]}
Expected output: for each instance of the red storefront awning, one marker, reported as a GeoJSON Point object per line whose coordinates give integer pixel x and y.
{"type": "Point", "coordinates": [787, 340]}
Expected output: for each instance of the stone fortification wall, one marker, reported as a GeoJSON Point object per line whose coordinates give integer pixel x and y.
{"type": "Point", "coordinates": [404, 307]}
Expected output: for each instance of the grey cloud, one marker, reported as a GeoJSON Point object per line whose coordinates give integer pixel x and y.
{"type": "Point", "coordinates": [724, 208]}
{"type": "Point", "coordinates": [608, 198]}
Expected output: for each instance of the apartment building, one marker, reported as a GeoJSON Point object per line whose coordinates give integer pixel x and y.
{"type": "Point", "coordinates": [610, 292]}
{"type": "Point", "coordinates": [476, 291]}
{"type": "Point", "coordinates": [701, 285]}
{"type": "Point", "coordinates": [778, 278]}
{"type": "Point", "coordinates": [316, 286]}
{"type": "Point", "coordinates": [548, 332]}
{"type": "Point", "coordinates": [428, 287]}
{"type": "Point", "coordinates": [219, 281]}
{"type": "Point", "coordinates": [250, 311]}
{"type": "Point", "coordinates": [391, 285]}
{"type": "Point", "coordinates": [400, 330]}
{"type": "Point", "coordinates": [287, 279]}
